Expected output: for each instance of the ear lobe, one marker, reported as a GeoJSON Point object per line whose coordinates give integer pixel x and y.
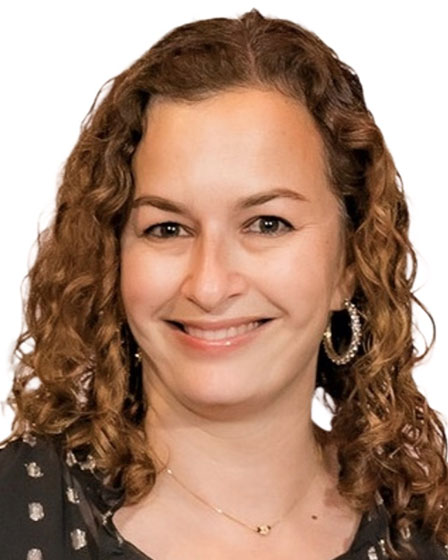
{"type": "Point", "coordinates": [350, 281]}
{"type": "Point", "coordinates": [345, 288]}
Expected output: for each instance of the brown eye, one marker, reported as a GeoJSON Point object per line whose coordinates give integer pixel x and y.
{"type": "Point", "coordinates": [165, 230]}
{"type": "Point", "coordinates": [272, 225]}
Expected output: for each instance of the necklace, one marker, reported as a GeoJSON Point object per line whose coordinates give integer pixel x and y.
{"type": "Point", "coordinates": [263, 529]}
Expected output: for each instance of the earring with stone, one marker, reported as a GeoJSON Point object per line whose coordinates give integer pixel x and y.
{"type": "Point", "coordinates": [355, 326]}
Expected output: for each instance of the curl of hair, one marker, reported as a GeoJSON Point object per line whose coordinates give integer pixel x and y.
{"type": "Point", "coordinates": [89, 387]}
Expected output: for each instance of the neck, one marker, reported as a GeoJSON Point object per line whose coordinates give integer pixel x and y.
{"type": "Point", "coordinates": [254, 465]}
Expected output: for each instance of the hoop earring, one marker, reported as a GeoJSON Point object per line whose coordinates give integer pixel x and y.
{"type": "Point", "coordinates": [355, 325]}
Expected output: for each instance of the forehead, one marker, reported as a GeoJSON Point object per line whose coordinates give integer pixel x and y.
{"type": "Point", "coordinates": [235, 138]}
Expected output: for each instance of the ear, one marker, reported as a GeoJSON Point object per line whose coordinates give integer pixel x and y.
{"type": "Point", "coordinates": [344, 289]}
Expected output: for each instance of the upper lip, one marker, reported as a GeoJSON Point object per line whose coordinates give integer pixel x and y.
{"type": "Point", "coordinates": [212, 325]}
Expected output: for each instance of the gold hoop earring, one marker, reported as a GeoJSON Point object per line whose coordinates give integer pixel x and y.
{"type": "Point", "coordinates": [355, 325]}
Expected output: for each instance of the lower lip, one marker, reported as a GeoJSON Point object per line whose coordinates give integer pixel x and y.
{"type": "Point", "coordinates": [218, 346]}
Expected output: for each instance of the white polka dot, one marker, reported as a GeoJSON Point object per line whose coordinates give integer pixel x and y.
{"type": "Point", "coordinates": [105, 517]}
{"type": "Point", "coordinates": [29, 439]}
{"type": "Point", "coordinates": [34, 554]}
{"type": "Point", "coordinates": [36, 511]}
{"type": "Point", "coordinates": [72, 495]}
{"type": "Point", "coordinates": [70, 459]}
{"type": "Point", "coordinates": [33, 470]}
{"type": "Point", "coordinates": [78, 539]}
{"type": "Point", "coordinates": [89, 464]}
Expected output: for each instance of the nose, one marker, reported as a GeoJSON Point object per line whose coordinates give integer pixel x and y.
{"type": "Point", "coordinates": [213, 275]}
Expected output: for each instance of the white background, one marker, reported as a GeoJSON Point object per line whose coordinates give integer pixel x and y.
{"type": "Point", "coordinates": [56, 55]}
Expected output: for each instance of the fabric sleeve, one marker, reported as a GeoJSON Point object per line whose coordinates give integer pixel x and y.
{"type": "Point", "coordinates": [39, 517]}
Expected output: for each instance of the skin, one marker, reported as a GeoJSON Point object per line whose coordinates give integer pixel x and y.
{"type": "Point", "coordinates": [236, 427]}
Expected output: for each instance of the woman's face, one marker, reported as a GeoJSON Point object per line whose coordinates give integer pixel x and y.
{"type": "Point", "coordinates": [233, 220]}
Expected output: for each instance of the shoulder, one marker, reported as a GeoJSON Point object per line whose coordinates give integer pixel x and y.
{"type": "Point", "coordinates": [41, 497]}
{"type": "Point", "coordinates": [30, 464]}
{"type": "Point", "coordinates": [29, 474]}
{"type": "Point", "coordinates": [26, 464]}
{"type": "Point", "coordinates": [27, 447]}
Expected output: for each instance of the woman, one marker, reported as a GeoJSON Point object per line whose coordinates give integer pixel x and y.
{"type": "Point", "coordinates": [230, 234]}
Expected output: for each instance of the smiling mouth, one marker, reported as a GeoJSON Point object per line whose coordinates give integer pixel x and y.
{"type": "Point", "coordinates": [218, 334]}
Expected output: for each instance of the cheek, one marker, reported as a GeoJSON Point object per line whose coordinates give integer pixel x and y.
{"type": "Point", "coordinates": [145, 284]}
{"type": "Point", "coordinates": [307, 272]}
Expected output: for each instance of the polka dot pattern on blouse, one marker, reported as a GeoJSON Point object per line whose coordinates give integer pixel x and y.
{"type": "Point", "coordinates": [55, 507]}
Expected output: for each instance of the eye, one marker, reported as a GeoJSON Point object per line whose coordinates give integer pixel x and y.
{"type": "Point", "coordinates": [272, 225]}
{"type": "Point", "coordinates": [165, 230]}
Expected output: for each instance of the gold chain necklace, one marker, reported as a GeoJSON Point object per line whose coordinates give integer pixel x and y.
{"type": "Point", "coordinates": [263, 529]}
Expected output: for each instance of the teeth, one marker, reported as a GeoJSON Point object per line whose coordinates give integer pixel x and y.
{"type": "Point", "coordinates": [220, 334]}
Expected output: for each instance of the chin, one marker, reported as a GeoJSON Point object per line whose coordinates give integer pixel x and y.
{"type": "Point", "coordinates": [219, 398]}
{"type": "Point", "coordinates": [229, 409]}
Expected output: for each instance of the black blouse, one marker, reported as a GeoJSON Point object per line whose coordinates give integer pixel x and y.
{"type": "Point", "coordinates": [53, 506]}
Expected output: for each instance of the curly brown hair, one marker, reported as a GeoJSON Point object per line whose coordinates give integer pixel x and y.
{"type": "Point", "coordinates": [89, 386]}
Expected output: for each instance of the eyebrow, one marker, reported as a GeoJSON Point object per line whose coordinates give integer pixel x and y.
{"type": "Point", "coordinates": [241, 204]}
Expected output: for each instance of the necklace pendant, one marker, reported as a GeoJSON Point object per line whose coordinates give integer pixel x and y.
{"type": "Point", "coordinates": [264, 529]}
